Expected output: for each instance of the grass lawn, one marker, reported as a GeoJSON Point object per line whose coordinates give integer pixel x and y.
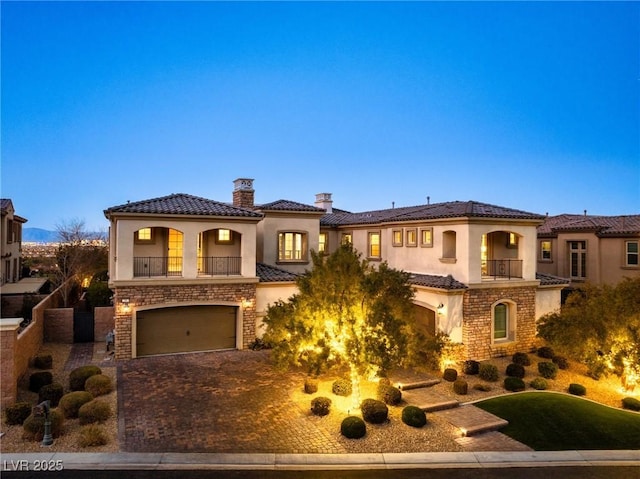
{"type": "Point", "coordinates": [556, 422]}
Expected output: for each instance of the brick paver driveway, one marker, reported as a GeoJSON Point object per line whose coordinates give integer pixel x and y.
{"type": "Point", "coordinates": [230, 401]}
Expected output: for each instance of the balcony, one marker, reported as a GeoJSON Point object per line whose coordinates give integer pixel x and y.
{"type": "Point", "coordinates": [153, 266]}
{"type": "Point", "coordinates": [502, 269]}
{"type": "Point", "coordinates": [219, 265]}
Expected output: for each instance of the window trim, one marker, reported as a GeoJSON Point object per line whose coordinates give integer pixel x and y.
{"type": "Point", "coordinates": [581, 252]}
{"type": "Point", "coordinates": [627, 254]}
{"type": "Point", "coordinates": [412, 243]}
{"type": "Point", "coordinates": [152, 236]}
{"type": "Point", "coordinates": [511, 322]}
{"type": "Point", "coordinates": [344, 236]}
{"type": "Point", "coordinates": [304, 253]}
{"type": "Point", "coordinates": [217, 239]}
{"type": "Point", "coordinates": [512, 240]}
{"type": "Point", "coordinates": [541, 250]}
{"type": "Point", "coordinates": [370, 234]}
{"type": "Point", "coordinates": [396, 237]}
{"type": "Point", "coordinates": [426, 244]}
{"type": "Point", "coordinates": [325, 243]}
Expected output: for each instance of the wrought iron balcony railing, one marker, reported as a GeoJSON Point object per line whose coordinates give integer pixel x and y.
{"type": "Point", "coordinates": [148, 266]}
{"type": "Point", "coordinates": [219, 265]}
{"type": "Point", "coordinates": [502, 268]}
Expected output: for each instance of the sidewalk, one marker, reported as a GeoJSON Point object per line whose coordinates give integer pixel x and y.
{"type": "Point", "coordinates": [435, 460]}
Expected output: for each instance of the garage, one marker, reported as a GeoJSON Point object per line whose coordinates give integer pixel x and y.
{"type": "Point", "coordinates": [425, 320]}
{"type": "Point", "coordinates": [182, 329]}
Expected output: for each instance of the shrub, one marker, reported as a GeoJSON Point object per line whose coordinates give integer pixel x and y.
{"type": "Point", "coordinates": [521, 358]}
{"type": "Point", "coordinates": [577, 389]}
{"type": "Point", "coordinates": [384, 382]}
{"type": "Point", "coordinates": [514, 384]}
{"type": "Point", "coordinates": [320, 406]}
{"type": "Point", "coordinates": [51, 392]}
{"type": "Point", "coordinates": [414, 416]}
{"type": "Point", "coordinates": [539, 383]}
{"type": "Point", "coordinates": [471, 367]}
{"type": "Point", "coordinates": [33, 427]}
{"type": "Point", "coordinates": [98, 385]}
{"type": "Point", "coordinates": [96, 410]}
{"type": "Point", "coordinates": [92, 435]}
{"type": "Point", "coordinates": [631, 403]}
{"type": "Point", "coordinates": [450, 375]}
{"type": "Point", "coordinates": [515, 370]}
{"type": "Point", "coordinates": [78, 376]}
{"type": "Point", "coordinates": [561, 361]}
{"type": "Point", "coordinates": [489, 372]}
{"type": "Point", "coordinates": [482, 387]}
{"type": "Point", "coordinates": [460, 386]}
{"type": "Point", "coordinates": [341, 387]}
{"type": "Point", "coordinates": [390, 395]}
{"type": "Point", "coordinates": [311, 385]}
{"type": "Point", "coordinates": [17, 413]}
{"type": "Point", "coordinates": [545, 352]}
{"type": "Point", "coordinates": [43, 361]}
{"type": "Point", "coordinates": [39, 379]}
{"type": "Point", "coordinates": [374, 411]}
{"type": "Point", "coordinates": [352, 427]}
{"type": "Point", "coordinates": [71, 403]}
{"type": "Point", "coordinates": [547, 369]}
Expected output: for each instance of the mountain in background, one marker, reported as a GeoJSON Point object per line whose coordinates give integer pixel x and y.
{"type": "Point", "coordinates": [38, 235]}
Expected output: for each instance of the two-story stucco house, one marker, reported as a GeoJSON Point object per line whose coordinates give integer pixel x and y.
{"type": "Point", "coordinates": [11, 242]}
{"type": "Point", "coordinates": [194, 274]}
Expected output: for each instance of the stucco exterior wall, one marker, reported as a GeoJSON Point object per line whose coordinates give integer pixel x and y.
{"type": "Point", "coordinates": [268, 294]}
{"type": "Point", "coordinates": [547, 301]}
{"type": "Point", "coordinates": [449, 318]}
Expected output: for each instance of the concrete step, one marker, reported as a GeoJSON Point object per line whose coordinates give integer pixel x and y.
{"type": "Point", "coordinates": [472, 420]}
{"type": "Point", "coordinates": [428, 400]}
{"type": "Point", "coordinates": [491, 441]}
{"type": "Point", "coordinates": [410, 379]}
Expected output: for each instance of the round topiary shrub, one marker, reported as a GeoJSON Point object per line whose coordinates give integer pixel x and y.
{"type": "Point", "coordinates": [539, 383]}
{"type": "Point", "coordinates": [92, 435]}
{"type": "Point", "coordinates": [460, 386]}
{"type": "Point", "coordinates": [39, 379]}
{"type": "Point", "coordinates": [352, 427]}
{"type": "Point", "coordinates": [515, 370]}
{"type": "Point", "coordinates": [94, 411]}
{"type": "Point", "coordinates": [577, 389]}
{"type": "Point", "coordinates": [341, 387]}
{"type": "Point", "coordinates": [471, 367]}
{"type": "Point", "coordinates": [98, 385]}
{"type": "Point", "coordinates": [561, 361]}
{"type": "Point", "coordinates": [311, 385]}
{"type": "Point", "coordinates": [514, 384]}
{"type": "Point", "coordinates": [17, 413]}
{"type": "Point", "coordinates": [521, 358]}
{"type": "Point", "coordinates": [51, 392]}
{"type": "Point", "coordinates": [547, 369]}
{"type": "Point", "coordinates": [630, 403]}
{"type": "Point", "coordinates": [78, 376]}
{"type": "Point", "coordinates": [489, 372]}
{"type": "Point", "coordinates": [390, 395]}
{"type": "Point", "coordinates": [71, 403]}
{"type": "Point", "coordinates": [374, 411]}
{"type": "Point", "coordinates": [320, 406]}
{"type": "Point", "coordinates": [450, 375]}
{"type": "Point", "coordinates": [545, 352]}
{"type": "Point", "coordinates": [43, 361]}
{"type": "Point", "coordinates": [33, 426]}
{"type": "Point", "coordinates": [414, 416]}
{"type": "Point", "coordinates": [482, 387]}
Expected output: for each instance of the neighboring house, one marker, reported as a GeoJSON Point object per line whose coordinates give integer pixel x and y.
{"type": "Point", "coordinates": [588, 248]}
{"type": "Point", "coordinates": [193, 274]}
{"type": "Point", "coordinates": [10, 243]}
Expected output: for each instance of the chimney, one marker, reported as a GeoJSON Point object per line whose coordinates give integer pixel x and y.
{"type": "Point", "coordinates": [323, 200]}
{"type": "Point", "coordinates": [243, 193]}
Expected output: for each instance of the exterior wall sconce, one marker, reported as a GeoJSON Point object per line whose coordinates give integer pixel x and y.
{"type": "Point", "coordinates": [125, 305]}
{"type": "Point", "coordinates": [440, 309]}
{"type": "Point", "coordinates": [247, 303]}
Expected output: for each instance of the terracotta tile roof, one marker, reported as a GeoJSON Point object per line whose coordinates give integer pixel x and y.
{"type": "Point", "coordinates": [433, 281]}
{"type": "Point", "coordinates": [182, 204]}
{"type": "Point", "coordinates": [287, 205]}
{"type": "Point", "coordinates": [5, 204]}
{"type": "Point", "coordinates": [549, 279]}
{"type": "Point", "coordinates": [601, 225]}
{"type": "Point", "coordinates": [453, 209]}
{"type": "Point", "coordinates": [271, 274]}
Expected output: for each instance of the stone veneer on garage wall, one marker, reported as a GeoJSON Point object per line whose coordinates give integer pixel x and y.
{"type": "Point", "coordinates": [174, 295]}
{"type": "Point", "coordinates": [476, 333]}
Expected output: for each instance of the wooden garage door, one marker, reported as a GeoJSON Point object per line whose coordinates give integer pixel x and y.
{"type": "Point", "coordinates": [184, 329]}
{"type": "Point", "coordinates": [425, 320]}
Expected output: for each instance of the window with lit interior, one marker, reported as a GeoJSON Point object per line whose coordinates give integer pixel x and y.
{"type": "Point", "coordinates": [292, 246]}
{"type": "Point", "coordinates": [374, 245]}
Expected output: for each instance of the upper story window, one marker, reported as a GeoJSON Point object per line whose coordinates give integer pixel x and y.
{"type": "Point", "coordinates": [322, 243]}
{"type": "Point", "coordinates": [578, 259]}
{"type": "Point", "coordinates": [426, 237]}
{"type": "Point", "coordinates": [545, 250]}
{"type": "Point", "coordinates": [373, 245]}
{"type": "Point", "coordinates": [512, 240]}
{"type": "Point", "coordinates": [412, 237]}
{"type": "Point", "coordinates": [292, 246]}
{"type": "Point", "coordinates": [397, 237]}
{"type": "Point", "coordinates": [631, 253]}
{"type": "Point", "coordinates": [224, 236]}
{"type": "Point", "coordinates": [347, 238]}
{"type": "Point", "coordinates": [10, 232]}
{"type": "Point", "coordinates": [144, 235]}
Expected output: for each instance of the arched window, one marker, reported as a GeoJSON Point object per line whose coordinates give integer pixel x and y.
{"type": "Point", "coordinates": [504, 321]}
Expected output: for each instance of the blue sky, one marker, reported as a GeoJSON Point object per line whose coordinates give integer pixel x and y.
{"type": "Point", "coordinates": [534, 105]}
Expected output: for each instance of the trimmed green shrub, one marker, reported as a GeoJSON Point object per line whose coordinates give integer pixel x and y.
{"type": "Point", "coordinates": [471, 367]}
{"type": "Point", "coordinates": [414, 416]}
{"type": "Point", "coordinates": [320, 406]}
{"type": "Point", "coordinates": [92, 435]}
{"type": "Point", "coordinates": [78, 376]}
{"type": "Point", "coordinates": [546, 352]}
{"type": "Point", "coordinates": [450, 375]}
{"type": "Point", "coordinates": [631, 403]}
{"type": "Point", "coordinates": [514, 384]}
{"type": "Point", "coordinates": [98, 385]}
{"type": "Point", "coordinates": [515, 370]}
{"type": "Point", "coordinates": [51, 392]}
{"type": "Point", "coordinates": [341, 387]}
{"type": "Point", "coordinates": [71, 403]}
{"type": "Point", "coordinates": [352, 427]}
{"type": "Point", "coordinates": [33, 426]}
{"type": "Point", "coordinates": [521, 358]}
{"type": "Point", "coordinates": [390, 395]}
{"type": "Point", "coordinates": [489, 372]}
{"type": "Point", "coordinates": [539, 383]}
{"type": "Point", "coordinates": [547, 369]}
{"type": "Point", "coordinates": [94, 411]}
{"type": "Point", "coordinates": [561, 361]}
{"type": "Point", "coordinates": [577, 389]}
{"type": "Point", "coordinates": [482, 387]}
{"type": "Point", "coordinates": [460, 386]}
{"type": "Point", "coordinates": [17, 413]}
{"type": "Point", "coordinates": [39, 379]}
{"type": "Point", "coordinates": [311, 385]}
{"type": "Point", "coordinates": [43, 361]}
{"type": "Point", "coordinates": [374, 411]}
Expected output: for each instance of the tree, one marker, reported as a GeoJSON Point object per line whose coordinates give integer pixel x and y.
{"type": "Point", "coordinates": [600, 326]}
{"type": "Point", "coordinates": [346, 312]}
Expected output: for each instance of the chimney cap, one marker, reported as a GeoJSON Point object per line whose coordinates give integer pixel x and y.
{"type": "Point", "coordinates": [243, 184]}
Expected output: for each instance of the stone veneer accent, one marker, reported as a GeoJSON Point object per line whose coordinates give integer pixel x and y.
{"type": "Point", "coordinates": [476, 332]}
{"type": "Point", "coordinates": [174, 295]}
